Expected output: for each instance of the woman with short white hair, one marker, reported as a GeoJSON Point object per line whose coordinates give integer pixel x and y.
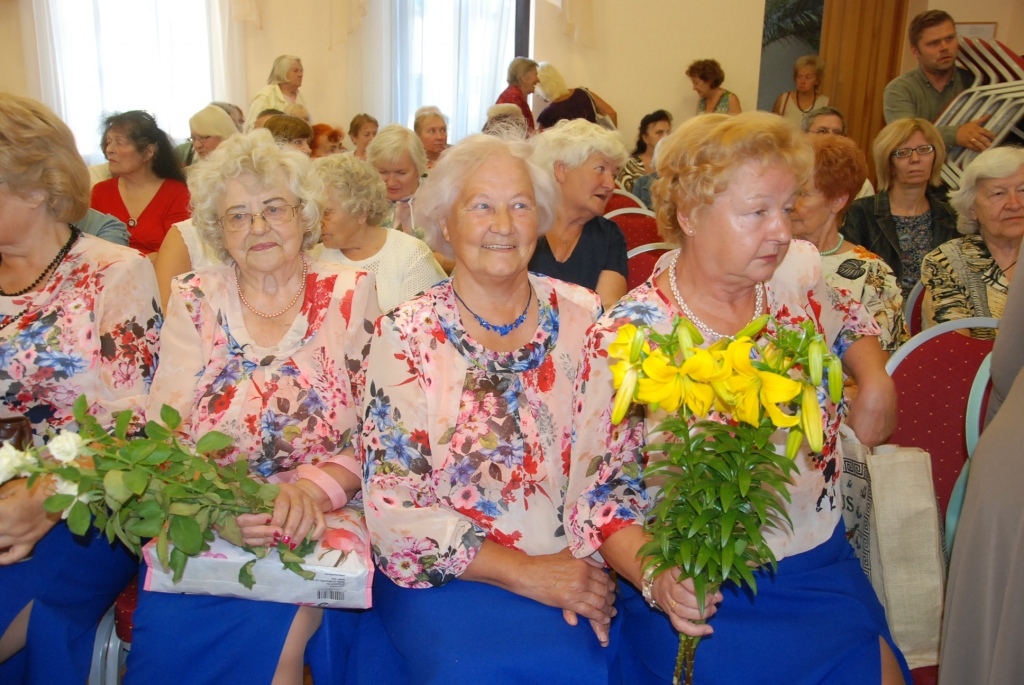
{"type": "Point", "coordinates": [282, 89]}
{"type": "Point", "coordinates": [582, 247]}
{"type": "Point", "coordinates": [466, 426]}
{"type": "Point", "coordinates": [355, 203]}
{"type": "Point", "coordinates": [970, 276]}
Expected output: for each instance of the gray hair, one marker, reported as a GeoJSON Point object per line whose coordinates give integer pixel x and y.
{"type": "Point", "coordinates": [252, 157]}
{"type": "Point", "coordinates": [279, 72]}
{"type": "Point", "coordinates": [572, 142]}
{"type": "Point", "coordinates": [425, 113]}
{"type": "Point", "coordinates": [805, 123]}
{"type": "Point", "coordinates": [437, 196]}
{"type": "Point", "coordinates": [550, 82]}
{"type": "Point", "coordinates": [391, 142]}
{"type": "Point", "coordinates": [518, 68]}
{"type": "Point", "coordinates": [360, 187]}
{"type": "Point", "coordinates": [995, 162]}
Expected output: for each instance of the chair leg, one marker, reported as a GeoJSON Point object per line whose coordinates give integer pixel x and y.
{"type": "Point", "coordinates": [113, 661]}
{"type": "Point", "coordinates": [104, 632]}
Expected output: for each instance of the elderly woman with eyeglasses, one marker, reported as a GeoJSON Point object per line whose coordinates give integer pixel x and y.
{"type": "Point", "coordinates": [268, 348]}
{"type": "Point", "coordinates": [970, 275]}
{"type": "Point", "coordinates": [466, 434]}
{"type": "Point", "coordinates": [908, 217]}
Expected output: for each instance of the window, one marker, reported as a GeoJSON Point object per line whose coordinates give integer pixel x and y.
{"type": "Point", "coordinates": [453, 54]}
{"type": "Point", "coordinates": [117, 55]}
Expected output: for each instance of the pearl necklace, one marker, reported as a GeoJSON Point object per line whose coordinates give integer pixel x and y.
{"type": "Point", "coordinates": [835, 249]}
{"type": "Point", "coordinates": [302, 289]}
{"type": "Point", "coordinates": [701, 326]}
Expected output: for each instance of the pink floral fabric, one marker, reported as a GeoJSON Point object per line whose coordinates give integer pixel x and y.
{"type": "Point", "coordinates": [462, 443]}
{"type": "Point", "coordinates": [94, 330]}
{"type": "Point", "coordinates": [291, 404]}
{"type": "Point", "coordinates": [607, 490]}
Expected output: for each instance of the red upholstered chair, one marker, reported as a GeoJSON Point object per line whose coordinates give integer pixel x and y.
{"type": "Point", "coordinates": [114, 638]}
{"type": "Point", "coordinates": [913, 309]}
{"type": "Point", "coordinates": [934, 372]}
{"type": "Point", "coordinates": [642, 261]}
{"type": "Point", "coordinates": [638, 225]}
{"type": "Point", "coordinates": [621, 199]}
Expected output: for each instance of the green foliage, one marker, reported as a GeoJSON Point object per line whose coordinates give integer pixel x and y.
{"type": "Point", "coordinates": [793, 18]}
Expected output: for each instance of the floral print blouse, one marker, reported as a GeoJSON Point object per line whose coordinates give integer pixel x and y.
{"type": "Point", "coordinates": [870, 281]}
{"type": "Point", "coordinates": [291, 404]}
{"type": "Point", "coordinates": [607, 491]}
{"type": "Point", "coordinates": [93, 330]}
{"type": "Point", "coordinates": [464, 444]}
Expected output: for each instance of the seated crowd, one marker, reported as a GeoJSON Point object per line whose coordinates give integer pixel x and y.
{"type": "Point", "coordinates": [422, 329]}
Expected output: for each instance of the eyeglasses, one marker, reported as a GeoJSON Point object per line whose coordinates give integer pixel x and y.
{"type": "Point", "coordinates": [823, 130]}
{"type": "Point", "coordinates": [921, 150]}
{"type": "Point", "coordinates": [272, 215]}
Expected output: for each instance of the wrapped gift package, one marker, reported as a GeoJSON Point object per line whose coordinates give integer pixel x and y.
{"type": "Point", "coordinates": [341, 562]}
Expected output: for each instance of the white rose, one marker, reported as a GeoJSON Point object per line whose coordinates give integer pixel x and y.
{"type": "Point", "coordinates": [67, 487]}
{"type": "Point", "coordinates": [65, 447]}
{"type": "Point", "coordinates": [13, 462]}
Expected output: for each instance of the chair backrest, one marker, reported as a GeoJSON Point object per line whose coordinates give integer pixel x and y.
{"type": "Point", "coordinates": [620, 199]}
{"type": "Point", "coordinates": [913, 309]}
{"type": "Point", "coordinates": [642, 261]}
{"type": "Point", "coordinates": [638, 225]}
{"type": "Point", "coordinates": [933, 373]}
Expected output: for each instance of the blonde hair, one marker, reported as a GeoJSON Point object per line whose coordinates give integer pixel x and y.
{"type": "Point", "coordinates": [438, 194]}
{"type": "Point", "coordinates": [550, 82]}
{"type": "Point", "coordinates": [697, 161]}
{"type": "Point", "coordinates": [572, 142]}
{"type": "Point", "coordinates": [391, 142]}
{"type": "Point", "coordinates": [814, 62]}
{"type": "Point", "coordinates": [38, 154]}
{"type": "Point", "coordinates": [359, 186]}
{"type": "Point", "coordinates": [279, 72]}
{"type": "Point", "coordinates": [425, 114]}
{"type": "Point", "coordinates": [252, 157]}
{"type": "Point", "coordinates": [894, 135]}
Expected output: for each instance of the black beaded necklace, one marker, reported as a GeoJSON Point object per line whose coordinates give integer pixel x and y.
{"type": "Point", "coordinates": [49, 267]}
{"type": "Point", "coordinates": [500, 330]}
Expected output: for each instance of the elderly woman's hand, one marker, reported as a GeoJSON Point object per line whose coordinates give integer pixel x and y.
{"type": "Point", "coordinates": [576, 586]}
{"type": "Point", "coordinates": [296, 512]}
{"type": "Point", "coordinates": [873, 412]}
{"type": "Point", "coordinates": [679, 602]}
{"type": "Point", "coordinates": [23, 522]}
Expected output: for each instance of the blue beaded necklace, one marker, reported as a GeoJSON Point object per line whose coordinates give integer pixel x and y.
{"type": "Point", "coordinates": [500, 330]}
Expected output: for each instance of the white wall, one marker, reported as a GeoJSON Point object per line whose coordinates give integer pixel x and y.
{"type": "Point", "coordinates": [12, 76]}
{"type": "Point", "coordinates": [644, 46]}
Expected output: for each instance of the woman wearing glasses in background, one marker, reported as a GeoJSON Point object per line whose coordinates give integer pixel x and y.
{"type": "Point", "coordinates": [908, 217]}
{"type": "Point", "coordinates": [266, 347]}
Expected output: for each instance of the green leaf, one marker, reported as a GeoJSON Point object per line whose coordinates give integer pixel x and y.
{"type": "Point", "coordinates": [743, 480]}
{"type": "Point", "coordinates": [80, 409]}
{"type": "Point", "coordinates": [268, 492]}
{"type": "Point", "coordinates": [136, 480]}
{"type": "Point", "coordinates": [55, 504]}
{"type": "Point", "coordinates": [230, 531]}
{"type": "Point", "coordinates": [184, 508]}
{"type": "Point", "coordinates": [726, 495]}
{"type": "Point", "coordinates": [147, 508]}
{"type": "Point", "coordinates": [289, 557]}
{"type": "Point", "coordinates": [162, 550]}
{"type": "Point", "coordinates": [727, 555]}
{"type": "Point", "coordinates": [79, 519]}
{"type": "Point", "coordinates": [157, 432]}
{"type": "Point", "coordinates": [213, 442]}
{"type": "Point", "coordinates": [245, 576]}
{"type": "Point", "coordinates": [185, 535]}
{"type": "Point", "coordinates": [594, 465]}
{"type": "Point", "coordinates": [177, 564]}
{"type": "Point", "coordinates": [170, 416]}
{"type": "Point", "coordinates": [124, 419]}
{"type": "Point", "coordinates": [114, 483]}
{"type": "Point", "coordinates": [298, 570]}
{"type": "Point", "coordinates": [145, 528]}
{"type": "Point", "coordinates": [702, 558]}
{"type": "Point", "coordinates": [702, 520]}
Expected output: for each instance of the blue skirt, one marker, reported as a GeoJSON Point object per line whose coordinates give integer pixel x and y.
{"type": "Point", "coordinates": [816, 620]}
{"type": "Point", "coordinates": [467, 632]}
{"type": "Point", "coordinates": [199, 639]}
{"type": "Point", "coordinates": [73, 581]}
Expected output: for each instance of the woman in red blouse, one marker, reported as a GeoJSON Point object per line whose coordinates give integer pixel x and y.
{"type": "Point", "coordinates": [148, 191]}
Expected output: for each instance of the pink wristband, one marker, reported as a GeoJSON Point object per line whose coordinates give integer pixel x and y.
{"type": "Point", "coordinates": [330, 486]}
{"type": "Point", "coordinates": [348, 463]}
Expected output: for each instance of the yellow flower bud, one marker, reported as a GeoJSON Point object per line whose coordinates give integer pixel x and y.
{"type": "Point", "coordinates": [815, 357]}
{"type": "Point", "coordinates": [835, 380]}
{"type": "Point", "coordinates": [624, 396]}
{"type": "Point", "coordinates": [637, 346]}
{"type": "Point", "coordinates": [685, 339]}
{"type": "Point", "coordinates": [754, 327]}
{"type": "Point", "coordinates": [810, 418]}
{"type": "Point", "coordinates": [698, 339]}
{"type": "Point", "coordinates": [793, 442]}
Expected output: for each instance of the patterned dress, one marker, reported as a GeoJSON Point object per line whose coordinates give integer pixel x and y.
{"type": "Point", "coordinates": [818, 576]}
{"type": "Point", "coordinates": [290, 404]}
{"type": "Point", "coordinates": [866, 278]}
{"type": "Point", "coordinates": [915, 235]}
{"type": "Point", "coordinates": [721, 107]}
{"type": "Point", "coordinates": [961, 280]}
{"type": "Point", "coordinates": [462, 443]}
{"type": "Point", "coordinates": [93, 330]}
{"type": "Point", "coordinates": [632, 170]}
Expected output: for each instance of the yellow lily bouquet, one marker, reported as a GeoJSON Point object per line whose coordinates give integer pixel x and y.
{"type": "Point", "coordinates": [721, 480]}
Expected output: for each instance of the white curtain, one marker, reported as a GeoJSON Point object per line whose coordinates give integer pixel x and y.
{"type": "Point", "coordinates": [452, 54]}
{"type": "Point", "coordinates": [102, 56]}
